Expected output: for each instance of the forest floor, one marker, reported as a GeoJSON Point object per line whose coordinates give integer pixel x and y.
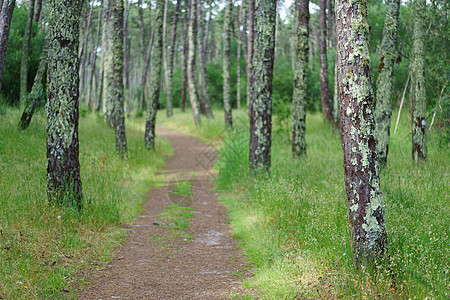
{"type": "Point", "coordinates": [163, 260]}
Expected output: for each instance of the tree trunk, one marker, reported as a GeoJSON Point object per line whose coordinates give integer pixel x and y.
{"type": "Point", "coordinates": [331, 21]}
{"type": "Point", "coordinates": [164, 48]}
{"type": "Point", "coordinates": [192, 37]}
{"type": "Point", "coordinates": [146, 68]}
{"type": "Point", "coordinates": [261, 85]}
{"type": "Point", "coordinates": [388, 53]}
{"type": "Point", "coordinates": [362, 182]}
{"type": "Point", "coordinates": [116, 91]}
{"type": "Point", "coordinates": [108, 67]}
{"type": "Point", "coordinates": [324, 88]}
{"type": "Point", "coordinates": [93, 64]}
{"type": "Point", "coordinates": [170, 67]}
{"type": "Point", "coordinates": [336, 118]}
{"type": "Point", "coordinates": [63, 167]}
{"type": "Point", "coordinates": [5, 24]}
{"type": "Point", "coordinates": [300, 79]}
{"type": "Point", "coordinates": [83, 60]}
{"type": "Point", "coordinates": [25, 54]}
{"type": "Point", "coordinates": [37, 13]}
{"type": "Point", "coordinates": [184, 55]}
{"type": "Point", "coordinates": [126, 58]}
{"type": "Point", "coordinates": [226, 65]}
{"type": "Point", "coordinates": [241, 11]}
{"type": "Point", "coordinates": [155, 77]}
{"type": "Point", "coordinates": [101, 105]}
{"type": "Point", "coordinates": [205, 104]}
{"type": "Point", "coordinates": [251, 25]}
{"type": "Point", "coordinates": [418, 110]}
{"type": "Point", "coordinates": [37, 92]}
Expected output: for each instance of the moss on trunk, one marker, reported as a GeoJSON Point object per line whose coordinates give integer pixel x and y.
{"type": "Point", "coordinates": [388, 53]}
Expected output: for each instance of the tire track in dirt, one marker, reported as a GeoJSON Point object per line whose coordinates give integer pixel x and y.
{"type": "Point", "coordinates": [155, 265]}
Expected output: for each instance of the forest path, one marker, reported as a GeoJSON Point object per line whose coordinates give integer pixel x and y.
{"type": "Point", "coordinates": [155, 263]}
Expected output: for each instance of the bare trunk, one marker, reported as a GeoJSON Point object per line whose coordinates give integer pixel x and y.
{"type": "Point", "coordinates": [184, 57]}
{"type": "Point", "coordinates": [193, 92]}
{"type": "Point", "coordinates": [226, 65]}
{"type": "Point", "coordinates": [37, 13]}
{"type": "Point", "coordinates": [146, 68]}
{"type": "Point", "coordinates": [25, 54]}
{"type": "Point", "coordinates": [126, 58]}
{"type": "Point", "coordinates": [5, 23]}
{"type": "Point", "coordinates": [238, 68]}
{"type": "Point", "coordinates": [93, 65]}
{"type": "Point", "coordinates": [324, 88]}
{"type": "Point", "coordinates": [171, 56]}
{"type": "Point", "coordinates": [155, 77]}
{"type": "Point", "coordinates": [251, 23]}
{"type": "Point", "coordinates": [83, 61]}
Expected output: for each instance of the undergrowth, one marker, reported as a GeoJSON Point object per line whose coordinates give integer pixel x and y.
{"type": "Point", "coordinates": [43, 248]}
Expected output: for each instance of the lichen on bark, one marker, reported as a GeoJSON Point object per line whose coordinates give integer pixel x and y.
{"type": "Point", "coordinates": [261, 86]}
{"type": "Point", "coordinates": [63, 168]}
{"type": "Point", "coordinates": [418, 111]}
{"type": "Point", "coordinates": [364, 197]}
{"type": "Point", "coordinates": [300, 80]}
{"type": "Point", "coordinates": [388, 53]}
{"type": "Point", "coordinates": [155, 77]}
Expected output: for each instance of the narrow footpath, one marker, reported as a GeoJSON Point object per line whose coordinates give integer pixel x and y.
{"type": "Point", "coordinates": [205, 263]}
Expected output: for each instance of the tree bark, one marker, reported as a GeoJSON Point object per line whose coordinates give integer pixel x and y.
{"type": "Point", "coordinates": [261, 85]}
{"type": "Point", "coordinates": [25, 54]}
{"type": "Point", "coordinates": [5, 24]}
{"type": "Point", "coordinates": [63, 167]}
{"type": "Point", "coordinates": [37, 92]}
{"type": "Point", "coordinates": [241, 22]}
{"type": "Point", "coordinates": [108, 67]}
{"type": "Point", "coordinates": [324, 88]}
{"type": "Point", "coordinates": [126, 58]}
{"type": "Point", "coordinates": [184, 56]}
{"type": "Point", "coordinates": [146, 67]}
{"type": "Point", "coordinates": [251, 23]}
{"type": "Point", "coordinates": [192, 37]}
{"type": "Point", "coordinates": [300, 79]}
{"type": "Point", "coordinates": [83, 60]}
{"type": "Point", "coordinates": [93, 64]}
{"type": "Point", "coordinates": [388, 53]}
{"type": "Point", "coordinates": [116, 90]}
{"type": "Point", "coordinates": [155, 77]}
{"type": "Point", "coordinates": [331, 23]}
{"type": "Point", "coordinates": [418, 110]}
{"type": "Point", "coordinates": [226, 66]}
{"type": "Point", "coordinates": [101, 105]}
{"type": "Point", "coordinates": [202, 84]}
{"type": "Point", "coordinates": [362, 182]}
{"type": "Point", "coordinates": [171, 56]}
{"type": "Point", "coordinates": [37, 13]}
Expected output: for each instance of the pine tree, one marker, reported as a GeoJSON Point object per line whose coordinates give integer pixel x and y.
{"type": "Point", "coordinates": [362, 182]}
{"type": "Point", "coordinates": [6, 13]}
{"type": "Point", "coordinates": [63, 167]}
{"type": "Point", "coordinates": [226, 65]}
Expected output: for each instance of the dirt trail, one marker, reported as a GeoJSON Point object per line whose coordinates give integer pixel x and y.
{"type": "Point", "coordinates": [155, 265]}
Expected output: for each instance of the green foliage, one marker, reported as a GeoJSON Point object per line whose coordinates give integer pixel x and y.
{"type": "Point", "coordinates": [176, 216]}
{"type": "Point", "coordinates": [293, 223]}
{"type": "Point", "coordinates": [11, 76]}
{"type": "Point", "coordinates": [43, 247]}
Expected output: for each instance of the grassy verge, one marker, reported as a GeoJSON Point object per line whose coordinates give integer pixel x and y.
{"type": "Point", "coordinates": [293, 223]}
{"type": "Point", "coordinates": [44, 248]}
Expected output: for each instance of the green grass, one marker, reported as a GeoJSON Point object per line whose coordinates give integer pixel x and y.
{"type": "Point", "coordinates": [293, 223]}
{"type": "Point", "coordinates": [177, 217]}
{"type": "Point", "coordinates": [44, 248]}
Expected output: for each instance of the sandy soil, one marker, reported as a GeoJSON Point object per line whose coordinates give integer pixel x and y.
{"type": "Point", "coordinates": [156, 265]}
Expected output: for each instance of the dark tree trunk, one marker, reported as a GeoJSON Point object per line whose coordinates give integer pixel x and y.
{"type": "Point", "coordinates": [63, 167]}
{"type": "Point", "coordinates": [324, 88]}
{"type": "Point", "coordinates": [37, 13]}
{"type": "Point", "coordinates": [226, 65]}
{"type": "Point", "coordinates": [251, 23]}
{"type": "Point", "coordinates": [116, 91]}
{"type": "Point", "coordinates": [388, 51]}
{"type": "Point", "coordinates": [300, 79]}
{"type": "Point", "coordinates": [184, 56]}
{"type": "Point", "coordinates": [192, 37]}
{"type": "Point", "coordinates": [155, 77]}
{"type": "Point", "coordinates": [25, 54]}
{"type": "Point", "coordinates": [37, 92]}
{"type": "Point", "coordinates": [261, 85]}
{"type": "Point", "coordinates": [418, 110]}
{"type": "Point", "coordinates": [5, 23]}
{"type": "Point", "coordinates": [171, 56]}
{"type": "Point", "coordinates": [362, 182]}
{"type": "Point", "coordinates": [331, 23]}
